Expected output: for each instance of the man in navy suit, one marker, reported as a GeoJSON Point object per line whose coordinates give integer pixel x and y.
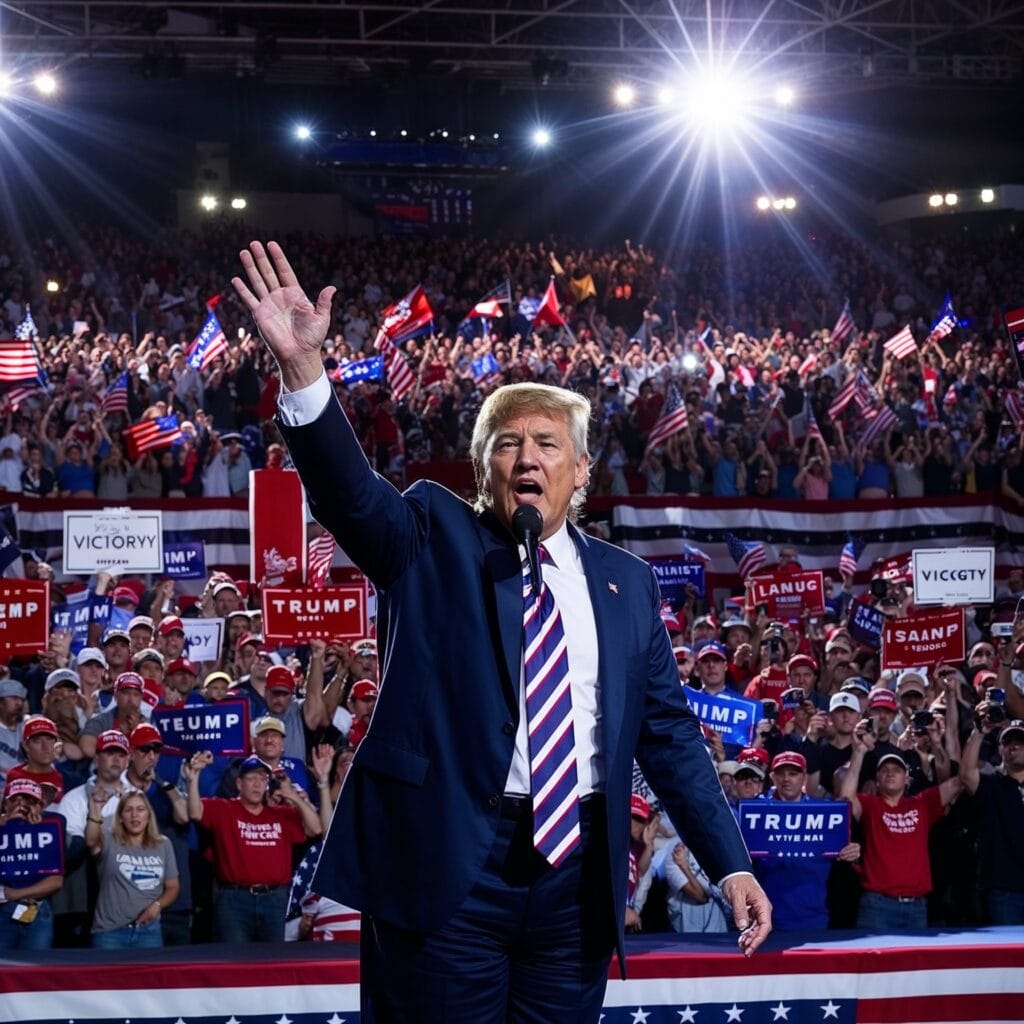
{"type": "Point", "coordinates": [472, 914]}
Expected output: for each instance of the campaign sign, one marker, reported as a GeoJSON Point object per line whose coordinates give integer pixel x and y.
{"type": "Point", "coordinates": [674, 575]}
{"type": "Point", "coordinates": [118, 540]}
{"type": "Point", "coordinates": [24, 616]}
{"type": "Point", "coordinates": [203, 638]}
{"type": "Point", "coordinates": [897, 569]}
{"type": "Point", "coordinates": [291, 614]}
{"type": "Point", "coordinates": [811, 828]}
{"type": "Point", "coordinates": [926, 639]}
{"type": "Point", "coordinates": [732, 716]}
{"type": "Point", "coordinates": [74, 616]}
{"type": "Point", "coordinates": [221, 728]}
{"type": "Point", "coordinates": [185, 561]}
{"type": "Point", "coordinates": [954, 575]}
{"type": "Point", "coordinates": [788, 595]}
{"type": "Point", "coordinates": [27, 850]}
{"type": "Point", "coordinates": [865, 624]}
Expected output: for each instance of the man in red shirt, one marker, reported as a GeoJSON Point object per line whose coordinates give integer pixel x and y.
{"type": "Point", "coordinates": [253, 842]}
{"type": "Point", "coordinates": [896, 874]}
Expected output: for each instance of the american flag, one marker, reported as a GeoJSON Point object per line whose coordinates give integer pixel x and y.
{"type": "Point", "coordinates": [208, 344]}
{"type": "Point", "coordinates": [864, 394]}
{"type": "Point", "coordinates": [488, 307]}
{"type": "Point", "coordinates": [844, 396]}
{"type": "Point", "coordinates": [1015, 406]}
{"type": "Point", "coordinates": [902, 344]}
{"type": "Point", "coordinates": [547, 311]}
{"type": "Point", "coordinates": [749, 555]}
{"type": "Point", "coordinates": [946, 322]}
{"type": "Point", "coordinates": [359, 370]}
{"type": "Point", "coordinates": [695, 553]}
{"type": "Point", "coordinates": [115, 398]}
{"type": "Point", "coordinates": [745, 375]}
{"type": "Point", "coordinates": [809, 363]}
{"type": "Point", "coordinates": [26, 330]}
{"type": "Point", "coordinates": [400, 376]}
{"type": "Point", "coordinates": [813, 430]}
{"type": "Point", "coordinates": [18, 360]}
{"type": "Point", "coordinates": [319, 556]}
{"type": "Point", "coordinates": [850, 555]}
{"type": "Point", "coordinates": [844, 325]}
{"type": "Point", "coordinates": [18, 393]}
{"type": "Point", "coordinates": [150, 435]}
{"type": "Point", "coordinates": [673, 419]}
{"type": "Point", "coordinates": [878, 422]}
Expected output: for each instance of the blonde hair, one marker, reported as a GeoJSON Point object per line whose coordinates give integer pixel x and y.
{"type": "Point", "coordinates": [515, 400]}
{"type": "Point", "coordinates": [150, 837]}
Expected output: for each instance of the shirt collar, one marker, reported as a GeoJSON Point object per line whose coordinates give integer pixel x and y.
{"type": "Point", "coordinates": [561, 548]}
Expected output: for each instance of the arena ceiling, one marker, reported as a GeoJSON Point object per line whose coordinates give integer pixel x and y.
{"type": "Point", "coordinates": [553, 44]}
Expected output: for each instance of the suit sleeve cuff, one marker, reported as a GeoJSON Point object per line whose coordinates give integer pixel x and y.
{"type": "Point", "coordinates": [299, 408]}
{"type": "Point", "coordinates": [734, 874]}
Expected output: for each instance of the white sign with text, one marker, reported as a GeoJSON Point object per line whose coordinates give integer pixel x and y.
{"type": "Point", "coordinates": [117, 541]}
{"type": "Point", "coordinates": [954, 575]}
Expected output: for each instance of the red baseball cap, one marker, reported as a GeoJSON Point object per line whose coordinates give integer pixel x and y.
{"type": "Point", "coordinates": [639, 807]}
{"type": "Point", "coordinates": [169, 624]}
{"type": "Point", "coordinates": [364, 689]}
{"type": "Point", "coordinates": [883, 698]}
{"type": "Point", "coordinates": [38, 725]}
{"type": "Point", "coordinates": [143, 734]}
{"type": "Point", "coordinates": [754, 755]}
{"type": "Point", "coordinates": [24, 787]}
{"type": "Point", "coordinates": [801, 659]}
{"type": "Point", "coordinates": [248, 638]}
{"type": "Point", "coordinates": [183, 665]}
{"type": "Point", "coordinates": [279, 677]}
{"type": "Point", "coordinates": [129, 681]}
{"type": "Point", "coordinates": [112, 739]}
{"type": "Point", "coordinates": [789, 759]}
{"type": "Point", "coordinates": [123, 593]}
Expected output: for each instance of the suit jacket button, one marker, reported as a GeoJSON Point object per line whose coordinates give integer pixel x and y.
{"type": "Point", "coordinates": [508, 728]}
{"type": "Point", "coordinates": [493, 800]}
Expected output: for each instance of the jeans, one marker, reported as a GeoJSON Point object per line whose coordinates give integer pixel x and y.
{"type": "Point", "coordinates": [1005, 907]}
{"type": "Point", "coordinates": [883, 914]}
{"type": "Point", "coordinates": [242, 916]}
{"type": "Point", "coordinates": [34, 936]}
{"type": "Point", "coordinates": [131, 936]}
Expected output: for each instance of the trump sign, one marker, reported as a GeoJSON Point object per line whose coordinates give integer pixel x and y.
{"type": "Point", "coordinates": [291, 614]}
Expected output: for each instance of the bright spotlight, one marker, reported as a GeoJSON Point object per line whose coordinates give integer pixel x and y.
{"type": "Point", "coordinates": [763, 202]}
{"type": "Point", "coordinates": [471, 137]}
{"type": "Point", "coordinates": [666, 95]}
{"type": "Point", "coordinates": [541, 137]}
{"type": "Point", "coordinates": [45, 83]}
{"type": "Point", "coordinates": [717, 102]}
{"type": "Point", "coordinates": [624, 94]}
{"type": "Point", "coordinates": [52, 286]}
{"type": "Point", "coordinates": [690, 362]}
{"type": "Point", "coordinates": [789, 202]}
{"type": "Point", "coordinates": [239, 203]}
{"type": "Point", "coordinates": [444, 133]}
{"type": "Point", "coordinates": [935, 199]}
{"type": "Point", "coordinates": [403, 133]}
{"type": "Point", "coordinates": [951, 199]}
{"type": "Point", "coordinates": [785, 95]}
{"type": "Point", "coordinates": [303, 132]}
{"type": "Point", "coordinates": [778, 204]}
{"type": "Point", "coordinates": [6, 83]}
{"type": "Point", "coordinates": [208, 202]}
{"type": "Point", "coordinates": [988, 195]}
{"type": "Point", "coordinates": [373, 133]}
{"type": "Point", "coordinates": [496, 136]}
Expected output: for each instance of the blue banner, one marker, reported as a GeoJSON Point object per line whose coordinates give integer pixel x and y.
{"type": "Point", "coordinates": [221, 728]}
{"type": "Point", "coordinates": [673, 576]}
{"type": "Point", "coordinates": [729, 714]}
{"type": "Point", "coordinates": [362, 369]}
{"type": "Point", "coordinates": [74, 617]}
{"type": "Point", "coordinates": [185, 561]}
{"type": "Point", "coordinates": [811, 828]}
{"type": "Point", "coordinates": [27, 850]}
{"type": "Point", "coordinates": [865, 624]}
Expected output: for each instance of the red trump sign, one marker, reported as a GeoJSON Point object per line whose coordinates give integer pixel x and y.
{"type": "Point", "coordinates": [926, 639]}
{"type": "Point", "coordinates": [24, 616]}
{"type": "Point", "coordinates": [787, 595]}
{"type": "Point", "coordinates": [333, 612]}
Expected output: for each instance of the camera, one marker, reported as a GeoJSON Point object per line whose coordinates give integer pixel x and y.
{"type": "Point", "coordinates": [770, 710]}
{"type": "Point", "coordinates": [995, 695]}
{"type": "Point", "coordinates": [921, 720]}
{"type": "Point", "coordinates": [879, 587]}
{"type": "Point", "coordinates": [793, 698]}
{"type": "Point", "coordinates": [996, 713]}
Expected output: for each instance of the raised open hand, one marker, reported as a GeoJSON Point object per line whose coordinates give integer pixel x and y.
{"type": "Point", "coordinates": [293, 328]}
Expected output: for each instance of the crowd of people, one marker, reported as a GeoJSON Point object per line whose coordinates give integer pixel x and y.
{"type": "Point", "coordinates": [745, 340]}
{"type": "Point", "coordinates": [163, 847]}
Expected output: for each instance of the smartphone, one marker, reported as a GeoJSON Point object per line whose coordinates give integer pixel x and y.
{"type": "Point", "coordinates": [793, 698]}
{"type": "Point", "coordinates": [1001, 629]}
{"type": "Point", "coordinates": [241, 333]}
{"type": "Point", "coordinates": [995, 695]}
{"type": "Point", "coordinates": [770, 710]}
{"type": "Point", "coordinates": [869, 725]}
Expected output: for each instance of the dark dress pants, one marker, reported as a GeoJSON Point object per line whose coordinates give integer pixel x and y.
{"type": "Point", "coordinates": [531, 944]}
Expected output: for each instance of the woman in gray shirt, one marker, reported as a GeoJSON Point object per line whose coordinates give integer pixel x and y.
{"type": "Point", "coordinates": [138, 876]}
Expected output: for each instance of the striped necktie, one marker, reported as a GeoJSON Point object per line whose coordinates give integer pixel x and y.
{"type": "Point", "coordinates": [553, 781]}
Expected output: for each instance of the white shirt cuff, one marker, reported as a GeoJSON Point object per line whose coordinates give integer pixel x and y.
{"type": "Point", "coordinates": [298, 408]}
{"type": "Point", "coordinates": [734, 874]}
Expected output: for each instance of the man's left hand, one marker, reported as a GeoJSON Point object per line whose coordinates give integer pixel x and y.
{"type": "Point", "coordinates": [751, 910]}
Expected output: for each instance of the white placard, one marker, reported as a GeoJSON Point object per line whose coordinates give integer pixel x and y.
{"type": "Point", "coordinates": [115, 540]}
{"type": "Point", "coordinates": [203, 638]}
{"type": "Point", "coordinates": [954, 575]}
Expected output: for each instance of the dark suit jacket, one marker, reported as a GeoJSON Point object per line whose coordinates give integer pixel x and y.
{"type": "Point", "coordinates": [420, 806]}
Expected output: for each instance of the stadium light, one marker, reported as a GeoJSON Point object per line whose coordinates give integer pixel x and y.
{"type": "Point", "coordinates": [6, 83]}
{"type": "Point", "coordinates": [789, 202]}
{"type": "Point", "coordinates": [373, 133]}
{"type": "Point", "coordinates": [52, 286]}
{"type": "Point", "coordinates": [541, 137]}
{"type": "Point", "coordinates": [45, 83]}
{"type": "Point", "coordinates": [716, 102]}
{"type": "Point", "coordinates": [778, 204]}
{"type": "Point", "coordinates": [665, 96]}
{"type": "Point", "coordinates": [951, 199]}
{"type": "Point", "coordinates": [763, 203]}
{"type": "Point", "coordinates": [496, 136]}
{"type": "Point", "coordinates": [208, 202]}
{"type": "Point", "coordinates": [624, 95]}
{"type": "Point", "coordinates": [403, 133]}
{"type": "Point", "coordinates": [303, 132]}
{"type": "Point", "coordinates": [239, 203]}
{"type": "Point", "coordinates": [988, 195]}
{"type": "Point", "coordinates": [784, 95]}
{"type": "Point", "coordinates": [935, 199]}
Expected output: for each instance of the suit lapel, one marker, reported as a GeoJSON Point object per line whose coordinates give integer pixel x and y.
{"type": "Point", "coordinates": [609, 609]}
{"type": "Point", "coordinates": [501, 564]}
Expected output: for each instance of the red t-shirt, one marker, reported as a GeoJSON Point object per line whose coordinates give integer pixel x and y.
{"type": "Point", "coordinates": [252, 849]}
{"type": "Point", "coordinates": [895, 858]}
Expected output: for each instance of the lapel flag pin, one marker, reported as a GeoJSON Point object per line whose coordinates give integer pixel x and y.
{"type": "Point", "coordinates": [613, 587]}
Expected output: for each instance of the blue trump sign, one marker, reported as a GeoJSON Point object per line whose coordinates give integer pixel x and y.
{"type": "Point", "coordinates": [811, 828]}
{"type": "Point", "coordinates": [673, 576]}
{"type": "Point", "coordinates": [865, 625]}
{"type": "Point", "coordinates": [185, 561]}
{"type": "Point", "coordinates": [222, 728]}
{"type": "Point", "coordinates": [27, 850]}
{"type": "Point", "coordinates": [730, 715]}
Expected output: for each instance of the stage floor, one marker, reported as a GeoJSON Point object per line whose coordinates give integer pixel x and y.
{"type": "Point", "coordinates": [931, 977]}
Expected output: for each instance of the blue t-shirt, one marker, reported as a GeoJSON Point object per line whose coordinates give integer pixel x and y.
{"type": "Point", "coordinates": [75, 478]}
{"type": "Point", "coordinates": [844, 481]}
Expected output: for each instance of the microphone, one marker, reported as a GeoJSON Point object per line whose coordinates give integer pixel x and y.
{"type": "Point", "coordinates": [527, 524]}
